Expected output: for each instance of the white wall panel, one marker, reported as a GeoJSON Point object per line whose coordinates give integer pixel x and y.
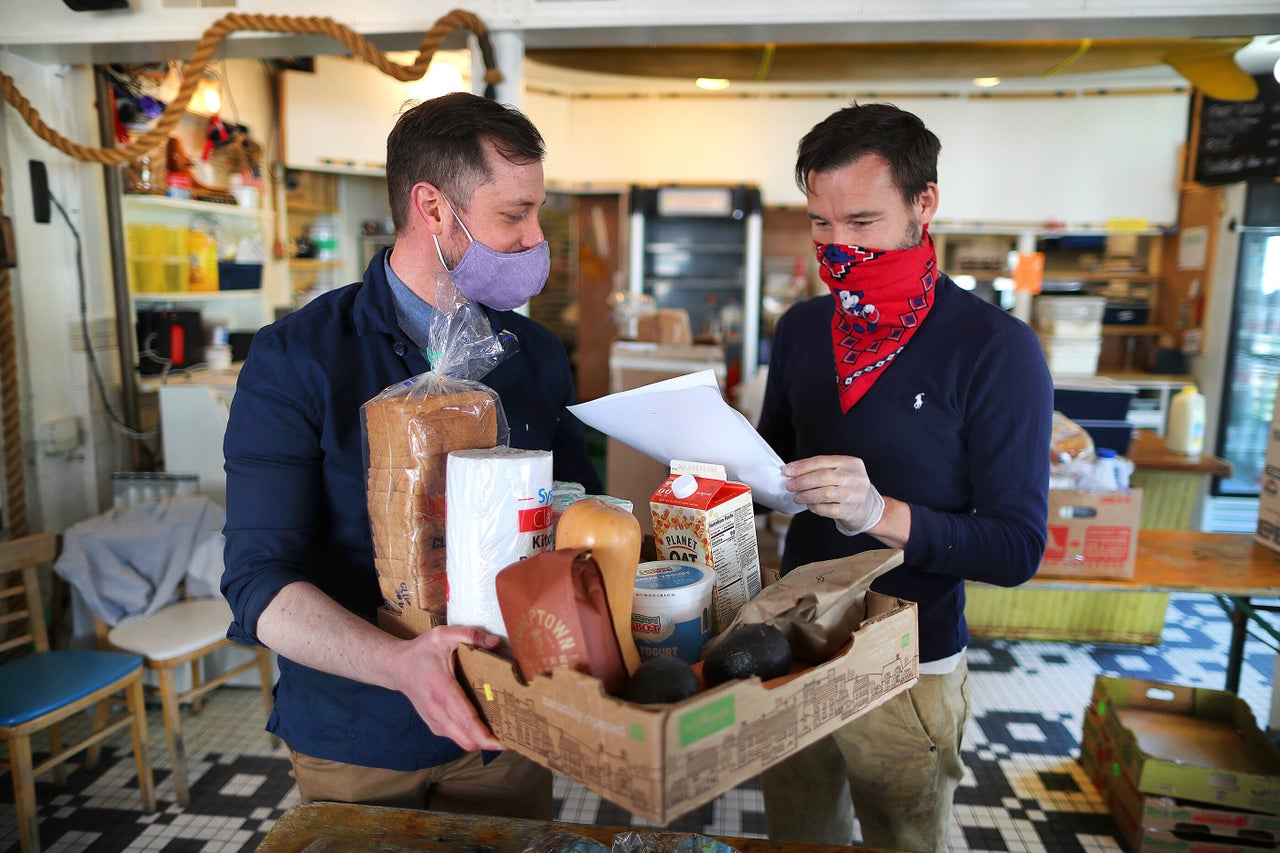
{"type": "Point", "coordinates": [1076, 159]}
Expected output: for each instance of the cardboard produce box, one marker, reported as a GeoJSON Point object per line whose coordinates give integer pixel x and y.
{"type": "Point", "coordinates": [1188, 743]}
{"type": "Point", "coordinates": [661, 761]}
{"type": "Point", "coordinates": [1268, 529]}
{"type": "Point", "coordinates": [1158, 823]}
{"type": "Point", "coordinates": [1091, 534]}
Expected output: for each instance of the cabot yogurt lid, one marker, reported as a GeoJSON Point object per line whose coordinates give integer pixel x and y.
{"type": "Point", "coordinates": [663, 578]}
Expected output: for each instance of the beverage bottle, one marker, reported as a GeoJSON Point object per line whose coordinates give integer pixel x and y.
{"type": "Point", "coordinates": [1186, 423]}
{"type": "Point", "coordinates": [1102, 477]}
{"type": "Point", "coordinates": [202, 254]}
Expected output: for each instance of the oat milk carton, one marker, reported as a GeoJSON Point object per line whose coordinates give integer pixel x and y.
{"type": "Point", "coordinates": [700, 517]}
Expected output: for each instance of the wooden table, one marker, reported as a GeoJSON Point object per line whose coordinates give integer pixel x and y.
{"type": "Point", "coordinates": [1171, 483]}
{"type": "Point", "coordinates": [1230, 566]}
{"type": "Point", "coordinates": [344, 828]}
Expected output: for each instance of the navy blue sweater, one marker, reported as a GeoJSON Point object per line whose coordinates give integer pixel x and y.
{"type": "Point", "coordinates": [958, 427]}
{"type": "Point", "coordinates": [296, 505]}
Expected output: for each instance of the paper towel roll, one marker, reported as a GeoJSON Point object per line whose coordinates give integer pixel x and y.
{"type": "Point", "coordinates": [498, 511]}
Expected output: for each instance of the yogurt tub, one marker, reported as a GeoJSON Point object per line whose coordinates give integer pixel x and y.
{"type": "Point", "coordinates": [671, 609]}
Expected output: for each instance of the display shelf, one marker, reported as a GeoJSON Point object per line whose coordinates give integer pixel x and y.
{"type": "Point", "coordinates": [312, 264]}
{"type": "Point", "coordinates": [158, 249]}
{"type": "Point", "coordinates": [1122, 330]}
{"type": "Point", "coordinates": [167, 207]}
{"type": "Point", "coordinates": [196, 296]}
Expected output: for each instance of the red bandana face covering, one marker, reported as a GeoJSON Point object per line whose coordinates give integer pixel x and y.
{"type": "Point", "coordinates": [882, 297]}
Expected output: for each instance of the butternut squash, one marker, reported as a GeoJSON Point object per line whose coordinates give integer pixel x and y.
{"type": "Point", "coordinates": [613, 535]}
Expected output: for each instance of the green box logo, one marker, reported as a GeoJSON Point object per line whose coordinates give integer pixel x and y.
{"type": "Point", "coordinates": [707, 720]}
{"type": "Point", "coordinates": [637, 733]}
{"type": "Point", "coordinates": [906, 640]}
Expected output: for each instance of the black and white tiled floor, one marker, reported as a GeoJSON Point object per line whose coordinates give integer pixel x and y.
{"type": "Point", "coordinates": [1024, 790]}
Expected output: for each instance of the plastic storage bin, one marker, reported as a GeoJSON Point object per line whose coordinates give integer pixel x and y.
{"type": "Point", "coordinates": [1069, 316]}
{"type": "Point", "coordinates": [1114, 435]}
{"type": "Point", "coordinates": [1071, 356]}
{"type": "Point", "coordinates": [1126, 313]}
{"type": "Point", "coordinates": [239, 276]}
{"type": "Point", "coordinates": [1093, 398]}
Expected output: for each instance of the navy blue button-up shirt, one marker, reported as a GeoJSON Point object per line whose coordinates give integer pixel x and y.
{"type": "Point", "coordinates": [296, 503]}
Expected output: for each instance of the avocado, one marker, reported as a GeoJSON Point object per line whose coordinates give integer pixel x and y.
{"type": "Point", "coordinates": [748, 650]}
{"type": "Point", "coordinates": [660, 680]}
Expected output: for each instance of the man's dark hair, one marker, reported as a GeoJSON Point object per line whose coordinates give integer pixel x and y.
{"type": "Point", "coordinates": [898, 136]}
{"type": "Point", "coordinates": [441, 142]}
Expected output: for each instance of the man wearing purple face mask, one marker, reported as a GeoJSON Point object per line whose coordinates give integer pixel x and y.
{"type": "Point", "coordinates": [370, 718]}
{"type": "Point", "coordinates": [913, 415]}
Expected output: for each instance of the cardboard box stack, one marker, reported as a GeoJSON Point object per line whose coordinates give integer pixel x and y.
{"type": "Point", "coordinates": [1268, 529]}
{"type": "Point", "coordinates": [1183, 769]}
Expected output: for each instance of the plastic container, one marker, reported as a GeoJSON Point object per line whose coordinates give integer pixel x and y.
{"type": "Point", "coordinates": [1096, 398]}
{"type": "Point", "coordinates": [671, 609]}
{"type": "Point", "coordinates": [1069, 316]}
{"type": "Point", "coordinates": [1071, 356]}
{"type": "Point", "coordinates": [202, 259]}
{"type": "Point", "coordinates": [1112, 435]}
{"type": "Point", "coordinates": [1110, 472]}
{"type": "Point", "coordinates": [1185, 434]}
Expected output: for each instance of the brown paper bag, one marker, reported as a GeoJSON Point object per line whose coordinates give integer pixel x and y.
{"type": "Point", "coordinates": [817, 606]}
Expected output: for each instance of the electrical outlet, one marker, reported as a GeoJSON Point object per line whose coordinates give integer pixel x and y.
{"type": "Point", "coordinates": [59, 437]}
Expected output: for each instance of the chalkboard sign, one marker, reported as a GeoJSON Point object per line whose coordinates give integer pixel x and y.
{"type": "Point", "coordinates": [1240, 139]}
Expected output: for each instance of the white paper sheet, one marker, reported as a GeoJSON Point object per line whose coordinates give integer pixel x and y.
{"type": "Point", "coordinates": [687, 418]}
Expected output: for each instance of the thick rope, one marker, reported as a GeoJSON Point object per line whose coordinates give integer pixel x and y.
{"type": "Point", "coordinates": [15, 503]}
{"type": "Point", "coordinates": [220, 29]}
{"type": "Point", "coordinates": [15, 492]}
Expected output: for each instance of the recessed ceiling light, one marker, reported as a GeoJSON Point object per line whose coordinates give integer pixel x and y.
{"type": "Point", "coordinates": [711, 84]}
{"type": "Point", "coordinates": [986, 82]}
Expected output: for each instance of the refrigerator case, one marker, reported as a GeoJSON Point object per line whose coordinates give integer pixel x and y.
{"type": "Point", "coordinates": [699, 248]}
{"type": "Point", "coordinates": [1243, 370]}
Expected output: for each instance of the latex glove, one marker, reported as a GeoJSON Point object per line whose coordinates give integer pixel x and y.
{"type": "Point", "coordinates": [838, 488]}
{"type": "Point", "coordinates": [868, 515]}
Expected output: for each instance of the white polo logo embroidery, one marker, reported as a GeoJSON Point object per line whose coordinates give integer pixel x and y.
{"type": "Point", "coordinates": [919, 402]}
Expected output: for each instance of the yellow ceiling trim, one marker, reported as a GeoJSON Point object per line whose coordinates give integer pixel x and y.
{"type": "Point", "coordinates": [1081, 50]}
{"type": "Point", "coordinates": [766, 62]}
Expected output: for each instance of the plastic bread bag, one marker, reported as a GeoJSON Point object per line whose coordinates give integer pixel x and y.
{"type": "Point", "coordinates": [1068, 440]}
{"type": "Point", "coordinates": [564, 842]}
{"type": "Point", "coordinates": [668, 842]}
{"type": "Point", "coordinates": [408, 431]}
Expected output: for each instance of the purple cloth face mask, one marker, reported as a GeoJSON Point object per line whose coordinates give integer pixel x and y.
{"type": "Point", "coordinates": [499, 280]}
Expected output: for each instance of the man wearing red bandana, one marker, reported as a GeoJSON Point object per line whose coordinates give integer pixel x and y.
{"type": "Point", "coordinates": [913, 415]}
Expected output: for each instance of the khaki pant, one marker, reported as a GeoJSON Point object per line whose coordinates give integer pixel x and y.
{"type": "Point", "coordinates": [897, 767]}
{"type": "Point", "coordinates": [510, 785]}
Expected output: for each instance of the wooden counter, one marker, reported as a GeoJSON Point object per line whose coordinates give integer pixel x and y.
{"type": "Point", "coordinates": [1148, 452]}
{"type": "Point", "coordinates": [1230, 566]}
{"type": "Point", "coordinates": [344, 828]}
{"type": "Point", "coordinates": [1171, 483]}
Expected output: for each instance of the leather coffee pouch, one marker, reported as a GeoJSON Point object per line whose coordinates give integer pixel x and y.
{"type": "Point", "coordinates": [556, 613]}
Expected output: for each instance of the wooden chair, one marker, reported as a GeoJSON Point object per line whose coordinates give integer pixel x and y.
{"type": "Point", "coordinates": [178, 634]}
{"type": "Point", "coordinates": [40, 688]}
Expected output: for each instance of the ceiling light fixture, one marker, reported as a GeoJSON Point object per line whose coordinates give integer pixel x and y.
{"type": "Point", "coordinates": [712, 84]}
{"type": "Point", "coordinates": [206, 100]}
{"type": "Point", "coordinates": [986, 82]}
